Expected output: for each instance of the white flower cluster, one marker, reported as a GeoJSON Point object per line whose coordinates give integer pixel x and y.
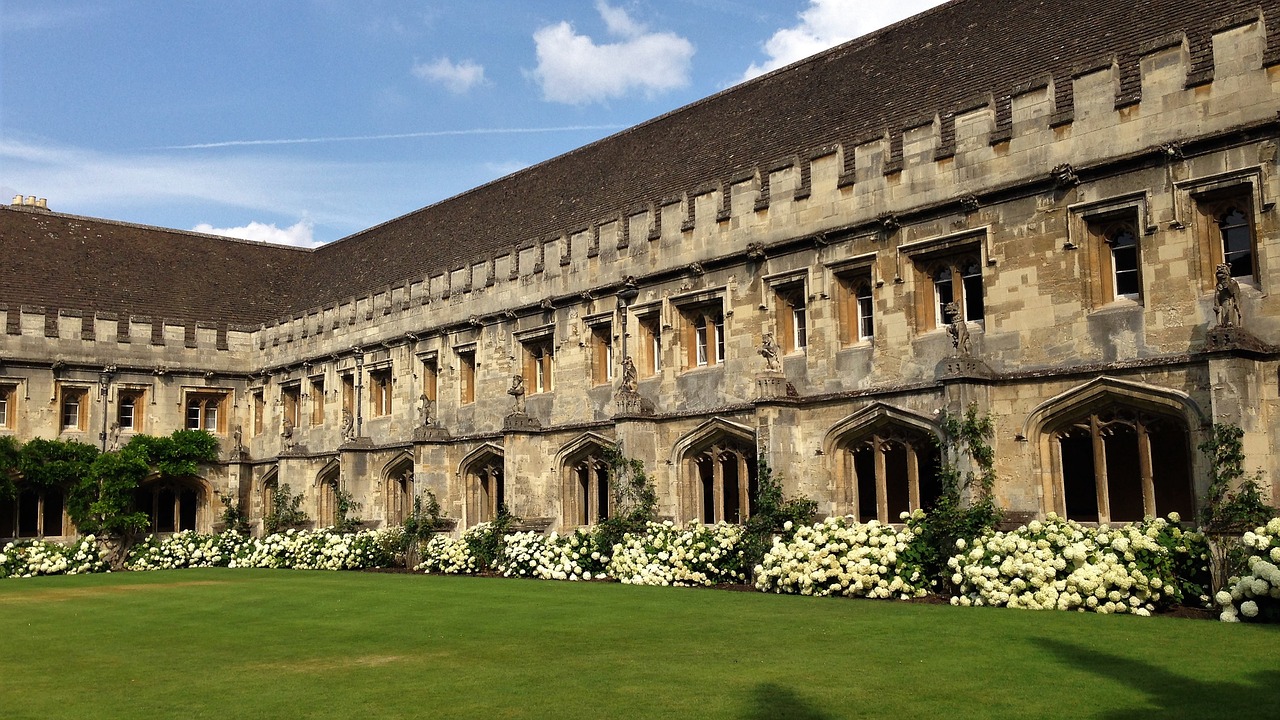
{"type": "Point", "coordinates": [552, 557]}
{"type": "Point", "coordinates": [1248, 595]}
{"type": "Point", "coordinates": [186, 549]}
{"type": "Point", "coordinates": [451, 556]}
{"type": "Point", "coordinates": [28, 558]}
{"type": "Point", "coordinates": [321, 549]}
{"type": "Point", "coordinates": [665, 554]}
{"type": "Point", "coordinates": [841, 556]}
{"type": "Point", "coordinates": [1060, 564]}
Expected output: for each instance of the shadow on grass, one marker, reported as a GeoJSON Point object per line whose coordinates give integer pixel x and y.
{"type": "Point", "coordinates": [772, 702]}
{"type": "Point", "coordinates": [1174, 695]}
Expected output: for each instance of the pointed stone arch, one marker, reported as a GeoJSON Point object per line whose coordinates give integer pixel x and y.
{"type": "Point", "coordinates": [716, 463]}
{"type": "Point", "coordinates": [484, 483]}
{"type": "Point", "coordinates": [267, 488]}
{"type": "Point", "coordinates": [328, 483]}
{"type": "Point", "coordinates": [585, 493]}
{"type": "Point", "coordinates": [397, 488]}
{"type": "Point", "coordinates": [1096, 450]}
{"type": "Point", "coordinates": [173, 504]}
{"type": "Point", "coordinates": [886, 463]}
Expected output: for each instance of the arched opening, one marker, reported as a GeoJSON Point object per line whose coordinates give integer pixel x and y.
{"type": "Point", "coordinates": [887, 464]}
{"type": "Point", "coordinates": [397, 490]}
{"type": "Point", "coordinates": [327, 486]}
{"type": "Point", "coordinates": [172, 504]}
{"type": "Point", "coordinates": [719, 465]}
{"type": "Point", "coordinates": [267, 496]}
{"type": "Point", "coordinates": [586, 493]}
{"type": "Point", "coordinates": [33, 512]}
{"type": "Point", "coordinates": [1119, 463]}
{"type": "Point", "coordinates": [485, 485]}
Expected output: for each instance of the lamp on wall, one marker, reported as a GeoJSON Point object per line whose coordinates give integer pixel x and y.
{"type": "Point", "coordinates": [626, 296]}
{"type": "Point", "coordinates": [104, 384]}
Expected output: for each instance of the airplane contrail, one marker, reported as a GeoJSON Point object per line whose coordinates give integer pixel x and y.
{"type": "Point", "coordinates": [396, 136]}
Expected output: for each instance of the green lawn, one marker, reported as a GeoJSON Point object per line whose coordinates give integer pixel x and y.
{"type": "Point", "coordinates": [263, 643]}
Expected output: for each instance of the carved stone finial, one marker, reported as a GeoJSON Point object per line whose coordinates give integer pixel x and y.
{"type": "Point", "coordinates": [770, 350]}
{"type": "Point", "coordinates": [1226, 298]}
{"type": "Point", "coordinates": [1064, 177]}
{"type": "Point", "coordinates": [958, 330]}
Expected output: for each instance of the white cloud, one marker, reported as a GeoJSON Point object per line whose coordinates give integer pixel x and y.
{"type": "Point", "coordinates": [575, 69]}
{"type": "Point", "coordinates": [827, 23]}
{"type": "Point", "coordinates": [298, 235]}
{"type": "Point", "coordinates": [456, 77]}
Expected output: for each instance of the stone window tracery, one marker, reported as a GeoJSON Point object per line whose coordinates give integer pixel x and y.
{"type": "Point", "coordinates": [720, 480]}
{"type": "Point", "coordinates": [586, 487]}
{"type": "Point", "coordinates": [1119, 464]}
{"type": "Point", "coordinates": [74, 409]}
{"type": "Point", "coordinates": [129, 409]}
{"type": "Point", "coordinates": [204, 411]}
{"type": "Point", "coordinates": [170, 505]}
{"type": "Point", "coordinates": [887, 470]}
{"type": "Point", "coordinates": [8, 393]}
{"type": "Point", "coordinates": [485, 487]}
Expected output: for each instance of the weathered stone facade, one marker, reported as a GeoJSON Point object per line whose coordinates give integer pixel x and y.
{"type": "Point", "coordinates": [1076, 221]}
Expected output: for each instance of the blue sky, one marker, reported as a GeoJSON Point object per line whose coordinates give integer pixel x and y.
{"type": "Point", "coordinates": [307, 120]}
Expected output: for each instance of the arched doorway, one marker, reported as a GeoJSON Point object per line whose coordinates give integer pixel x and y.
{"type": "Point", "coordinates": [173, 504]}
{"type": "Point", "coordinates": [586, 495]}
{"type": "Point", "coordinates": [397, 490]}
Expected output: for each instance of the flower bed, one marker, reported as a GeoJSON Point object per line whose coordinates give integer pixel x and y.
{"type": "Point", "coordinates": [28, 558]}
{"type": "Point", "coordinates": [294, 549]}
{"type": "Point", "coordinates": [1256, 595]}
{"type": "Point", "coordinates": [575, 556]}
{"type": "Point", "coordinates": [841, 556]}
{"type": "Point", "coordinates": [1060, 564]}
{"type": "Point", "coordinates": [666, 554]}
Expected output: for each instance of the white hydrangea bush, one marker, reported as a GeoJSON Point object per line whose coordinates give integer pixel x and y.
{"type": "Point", "coordinates": [667, 554]}
{"type": "Point", "coordinates": [841, 556]}
{"type": "Point", "coordinates": [1255, 596]}
{"type": "Point", "coordinates": [186, 549]}
{"type": "Point", "coordinates": [28, 558]}
{"type": "Point", "coordinates": [322, 549]}
{"type": "Point", "coordinates": [1061, 564]}
{"type": "Point", "coordinates": [448, 556]}
{"type": "Point", "coordinates": [574, 556]}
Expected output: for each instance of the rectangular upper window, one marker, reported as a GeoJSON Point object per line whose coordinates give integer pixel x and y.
{"type": "Point", "coordinates": [539, 356]}
{"type": "Point", "coordinates": [703, 332]}
{"type": "Point", "coordinates": [317, 400]}
{"type": "Point", "coordinates": [466, 375]}
{"type": "Point", "coordinates": [74, 409]}
{"type": "Point", "coordinates": [129, 409]}
{"type": "Point", "coordinates": [205, 410]}
{"type": "Point", "coordinates": [601, 353]}
{"type": "Point", "coordinates": [290, 399]}
{"type": "Point", "coordinates": [791, 315]}
{"type": "Point", "coordinates": [8, 399]}
{"type": "Point", "coordinates": [380, 392]}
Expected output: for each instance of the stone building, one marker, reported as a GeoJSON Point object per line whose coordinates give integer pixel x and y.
{"type": "Point", "coordinates": [1017, 204]}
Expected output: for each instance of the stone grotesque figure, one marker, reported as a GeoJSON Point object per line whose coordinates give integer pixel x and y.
{"type": "Point", "coordinates": [516, 391]}
{"type": "Point", "coordinates": [629, 383]}
{"type": "Point", "coordinates": [427, 408]}
{"type": "Point", "coordinates": [113, 442]}
{"type": "Point", "coordinates": [958, 330]}
{"type": "Point", "coordinates": [286, 432]}
{"type": "Point", "coordinates": [770, 350]}
{"type": "Point", "coordinates": [237, 441]}
{"type": "Point", "coordinates": [348, 426]}
{"type": "Point", "coordinates": [1226, 298]}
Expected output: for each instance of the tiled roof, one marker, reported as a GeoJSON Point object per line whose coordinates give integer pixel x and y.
{"type": "Point", "coordinates": [937, 62]}
{"type": "Point", "coordinates": [71, 262]}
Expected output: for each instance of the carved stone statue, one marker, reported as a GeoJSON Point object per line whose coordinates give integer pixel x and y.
{"type": "Point", "coordinates": [958, 330]}
{"type": "Point", "coordinates": [427, 408]}
{"type": "Point", "coordinates": [770, 350]}
{"type": "Point", "coordinates": [237, 441]}
{"type": "Point", "coordinates": [113, 437]}
{"type": "Point", "coordinates": [629, 383]}
{"type": "Point", "coordinates": [516, 391]}
{"type": "Point", "coordinates": [1226, 298]}
{"type": "Point", "coordinates": [348, 426]}
{"type": "Point", "coordinates": [286, 433]}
